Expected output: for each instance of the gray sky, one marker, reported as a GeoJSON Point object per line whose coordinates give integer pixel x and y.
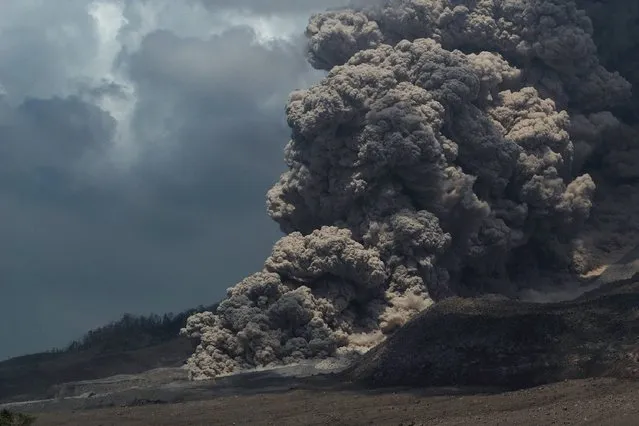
{"type": "Point", "coordinates": [137, 141]}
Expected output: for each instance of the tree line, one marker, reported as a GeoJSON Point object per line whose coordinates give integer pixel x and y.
{"type": "Point", "coordinates": [133, 332]}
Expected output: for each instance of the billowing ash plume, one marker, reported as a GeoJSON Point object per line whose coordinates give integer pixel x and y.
{"type": "Point", "coordinates": [616, 34]}
{"type": "Point", "coordinates": [442, 148]}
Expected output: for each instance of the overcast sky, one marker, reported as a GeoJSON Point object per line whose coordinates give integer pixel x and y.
{"type": "Point", "coordinates": [137, 141]}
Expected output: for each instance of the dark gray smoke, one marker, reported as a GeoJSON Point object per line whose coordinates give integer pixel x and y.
{"type": "Point", "coordinates": [441, 155]}
{"type": "Point", "coordinates": [616, 33]}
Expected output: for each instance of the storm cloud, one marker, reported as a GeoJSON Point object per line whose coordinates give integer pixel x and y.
{"type": "Point", "coordinates": [137, 141]}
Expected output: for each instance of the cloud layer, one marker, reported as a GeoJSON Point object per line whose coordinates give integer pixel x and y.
{"type": "Point", "coordinates": [137, 141]}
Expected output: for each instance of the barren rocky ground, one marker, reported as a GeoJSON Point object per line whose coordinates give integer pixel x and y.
{"type": "Point", "coordinates": [583, 402]}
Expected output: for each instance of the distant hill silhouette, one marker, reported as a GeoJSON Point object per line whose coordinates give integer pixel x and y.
{"type": "Point", "coordinates": [133, 332]}
{"type": "Point", "coordinates": [130, 345]}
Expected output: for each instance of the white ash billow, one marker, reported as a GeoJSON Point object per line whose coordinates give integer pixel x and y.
{"type": "Point", "coordinates": [436, 154]}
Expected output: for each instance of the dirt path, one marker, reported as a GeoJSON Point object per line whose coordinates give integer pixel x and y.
{"type": "Point", "coordinates": [584, 402]}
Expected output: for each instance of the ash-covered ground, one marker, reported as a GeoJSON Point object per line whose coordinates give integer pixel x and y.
{"type": "Point", "coordinates": [454, 148]}
{"type": "Point", "coordinates": [461, 351]}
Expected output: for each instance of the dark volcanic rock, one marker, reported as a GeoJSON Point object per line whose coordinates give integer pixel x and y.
{"type": "Point", "coordinates": [492, 341]}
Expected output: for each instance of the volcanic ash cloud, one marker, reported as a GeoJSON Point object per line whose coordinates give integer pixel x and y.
{"type": "Point", "coordinates": [436, 154]}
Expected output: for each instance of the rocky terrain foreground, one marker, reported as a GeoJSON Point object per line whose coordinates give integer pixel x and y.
{"type": "Point", "coordinates": [465, 361]}
{"type": "Point", "coordinates": [594, 402]}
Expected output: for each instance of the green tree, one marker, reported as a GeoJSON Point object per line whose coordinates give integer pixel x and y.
{"type": "Point", "coordinates": [9, 418]}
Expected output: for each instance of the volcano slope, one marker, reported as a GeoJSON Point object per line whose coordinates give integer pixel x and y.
{"type": "Point", "coordinates": [495, 341]}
